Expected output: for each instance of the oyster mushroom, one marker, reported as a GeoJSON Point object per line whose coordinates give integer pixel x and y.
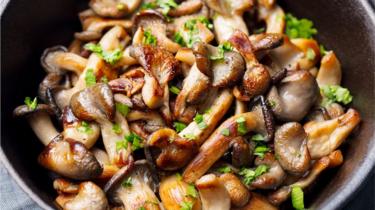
{"type": "Point", "coordinates": [155, 23]}
{"type": "Point", "coordinates": [132, 187]}
{"type": "Point", "coordinates": [311, 52]}
{"type": "Point", "coordinates": [129, 83]}
{"type": "Point", "coordinates": [330, 70]}
{"type": "Point", "coordinates": [160, 67]}
{"type": "Point", "coordinates": [186, 8]}
{"type": "Point", "coordinates": [273, 178]}
{"type": "Point", "coordinates": [174, 192]}
{"type": "Point", "coordinates": [220, 140]}
{"type": "Point", "coordinates": [89, 196]}
{"type": "Point", "coordinates": [291, 148]}
{"type": "Point", "coordinates": [176, 151]}
{"type": "Point", "coordinates": [112, 40]}
{"type": "Point", "coordinates": [294, 96]}
{"type": "Point", "coordinates": [241, 154]}
{"type": "Point", "coordinates": [213, 194]}
{"type": "Point", "coordinates": [152, 120]}
{"type": "Point", "coordinates": [326, 136]}
{"type": "Point", "coordinates": [274, 17]}
{"type": "Point", "coordinates": [109, 169]}
{"type": "Point", "coordinates": [67, 157]}
{"type": "Point", "coordinates": [256, 202]}
{"type": "Point", "coordinates": [114, 8]}
{"type": "Point", "coordinates": [96, 103]}
{"type": "Point", "coordinates": [238, 193]}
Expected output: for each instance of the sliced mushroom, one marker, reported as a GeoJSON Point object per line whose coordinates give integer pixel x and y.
{"type": "Point", "coordinates": [96, 103]}
{"type": "Point", "coordinates": [109, 169]}
{"type": "Point", "coordinates": [274, 17]}
{"type": "Point", "coordinates": [132, 187]}
{"type": "Point", "coordinates": [114, 8]}
{"type": "Point", "coordinates": [218, 143]}
{"type": "Point", "coordinates": [273, 178]}
{"type": "Point", "coordinates": [256, 202]}
{"type": "Point", "coordinates": [64, 186]}
{"type": "Point", "coordinates": [67, 157]}
{"type": "Point", "coordinates": [330, 70]}
{"type": "Point", "coordinates": [89, 196]}
{"type": "Point", "coordinates": [155, 23]}
{"type": "Point", "coordinates": [160, 67]}
{"type": "Point", "coordinates": [311, 52]}
{"type": "Point", "coordinates": [128, 83]}
{"type": "Point", "coordinates": [238, 193]}
{"type": "Point", "coordinates": [153, 121]}
{"type": "Point", "coordinates": [213, 194]}
{"type": "Point", "coordinates": [176, 151]}
{"type": "Point", "coordinates": [324, 137]}
{"type": "Point", "coordinates": [241, 154]}
{"type": "Point", "coordinates": [174, 191]}
{"type": "Point", "coordinates": [186, 8]}
{"type": "Point", "coordinates": [228, 71]}
{"type": "Point", "coordinates": [291, 148]}
{"type": "Point", "coordinates": [294, 96]}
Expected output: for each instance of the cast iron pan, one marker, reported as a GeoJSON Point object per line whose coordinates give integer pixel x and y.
{"type": "Point", "coordinates": [28, 27]}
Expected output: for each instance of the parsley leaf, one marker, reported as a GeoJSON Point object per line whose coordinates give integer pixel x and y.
{"type": "Point", "coordinates": [85, 128]}
{"type": "Point", "coordinates": [193, 32]}
{"type": "Point", "coordinates": [249, 175]}
{"type": "Point", "coordinates": [257, 137]}
{"type": "Point", "coordinates": [174, 90]}
{"type": "Point", "coordinates": [323, 50]}
{"type": "Point", "coordinates": [335, 93]}
{"type": "Point", "coordinates": [186, 205]}
{"type": "Point", "coordinates": [199, 120]}
{"type": "Point", "coordinates": [121, 145]}
{"type": "Point", "coordinates": [179, 39]}
{"type": "Point", "coordinates": [148, 38]}
{"type": "Point", "coordinates": [191, 191]}
{"type": "Point", "coordinates": [222, 48]}
{"type": "Point", "coordinates": [310, 54]}
{"type": "Point", "coordinates": [122, 108]}
{"type": "Point", "coordinates": [90, 77]}
{"type": "Point", "coordinates": [135, 140]}
{"type": "Point", "coordinates": [104, 79]}
{"type": "Point", "coordinates": [299, 28]}
{"type": "Point", "coordinates": [189, 136]}
{"type": "Point", "coordinates": [271, 103]}
{"type": "Point", "coordinates": [297, 198]}
{"type": "Point", "coordinates": [260, 150]}
{"type": "Point", "coordinates": [179, 126]}
{"type": "Point", "coordinates": [96, 48]}
{"type": "Point", "coordinates": [166, 5]}
{"type": "Point", "coordinates": [117, 128]}
{"type": "Point", "coordinates": [127, 182]}
{"type": "Point", "coordinates": [225, 132]}
{"type": "Point", "coordinates": [110, 57]}
{"type": "Point", "coordinates": [149, 5]}
{"type": "Point", "coordinates": [241, 125]}
{"type": "Point", "coordinates": [224, 169]}
{"type": "Point", "coordinates": [31, 104]}
{"type": "Point", "coordinates": [142, 208]}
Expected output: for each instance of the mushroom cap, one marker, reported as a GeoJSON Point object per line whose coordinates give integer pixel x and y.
{"type": "Point", "coordinates": [238, 193]}
{"type": "Point", "coordinates": [48, 56]}
{"type": "Point", "coordinates": [291, 148]}
{"type": "Point", "coordinates": [71, 159]}
{"type": "Point", "coordinates": [228, 71]}
{"type": "Point", "coordinates": [25, 110]}
{"type": "Point", "coordinates": [146, 18]}
{"type": "Point", "coordinates": [271, 179]}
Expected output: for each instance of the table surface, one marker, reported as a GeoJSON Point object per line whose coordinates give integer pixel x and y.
{"type": "Point", "coordinates": [13, 198]}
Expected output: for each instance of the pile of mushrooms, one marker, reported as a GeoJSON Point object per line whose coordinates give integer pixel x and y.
{"type": "Point", "coordinates": [179, 105]}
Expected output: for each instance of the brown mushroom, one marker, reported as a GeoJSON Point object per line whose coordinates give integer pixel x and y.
{"type": "Point", "coordinates": [152, 120]}
{"type": "Point", "coordinates": [291, 148]}
{"type": "Point", "coordinates": [238, 193]}
{"type": "Point", "coordinates": [176, 151]}
{"type": "Point", "coordinates": [274, 17]}
{"type": "Point", "coordinates": [186, 8]}
{"type": "Point", "coordinates": [114, 8]}
{"type": "Point", "coordinates": [256, 202]}
{"type": "Point", "coordinates": [330, 70]}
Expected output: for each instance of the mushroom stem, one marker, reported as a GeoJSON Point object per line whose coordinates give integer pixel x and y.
{"type": "Point", "coordinates": [43, 127]}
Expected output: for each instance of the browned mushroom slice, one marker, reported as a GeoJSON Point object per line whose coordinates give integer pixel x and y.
{"type": "Point", "coordinates": [238, 193]}
{"type": "Point", "coordinates": [213, 194]}
{"type": "Point", "coordinates": [160, 67]}
{"type": "Point", "coordinates": [219, 142]}
{"type": "Point", "coordinates": [109, 169]}
{"type": "Point", "coordinates": [114, 8]}
{"type": "Point", "coordinates": [65, 157]}
{"type": "Point", "coordinates": [257, 78]}
{"type": "Point", "coordinates": [256, 202]}
{"type": "Point", "coordinates": [228, 71]}
{"type": "Point", "coordinates": [88, 196]}
{"type": "Point", "coordinates": [186, 8]}
{"type": "Point", "coordinates": [176, 151]}
{"type": "Point", "coordinates": [294, 96]}
{"type": "Point", "coordinates": [132, 187]}
{"type": "Point", "coordinates": [326, 136]}
{"type": "Point", "coordinates": [311, 52]}
{"type": "Point", "coordinates": [291, 148]}
{"type": "Point", "coordinates": [266, 41]}
{"type": "Point", "coordinates": [155, 23]}
{"type": "Point", "coordinates": [129, 83]}
{"type": "Point", "coordinates": [283, 193]}
{"type": "Point", "coordinates": [152, 120]}
{"type": "Point", "coordinates": [174, 193]}
{"type": "Point", "coordinates": [64, 186]}
{"type": "Point", "coordinates": [330, 70]}
{"type": "Point", "coordinates": [241, 154]}
{"type": "Point", "coordinates": [273, 178]}
{"type": "Point", "coordinates": [274, 17]}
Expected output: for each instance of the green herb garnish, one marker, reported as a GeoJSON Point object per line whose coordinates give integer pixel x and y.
{"type": "Point", "coordinates": [149, 5]}
{"type": "Point", "coordinates": [179, 39]}
{"type": "Point", "coordinates": [122, 108]}
{"type": "Point", "coordinates": [149, 38]}
{"type": "Point", "coordinates": [260, 150]}
{"type": "Point", "coordinates": [191, 27]}
{"type": "Point", "coordinates": [85, 128]}
{"type": "Point", "coordinates": [241, 125]}
{"type": "Point", "coordinates": [200, 122]}
{"type": "Point", "coordinates": [224, 169]}
{"type": "Point", "coordinates": [117, 128]}
{"type": "Point", "coordinates": [166, 5]}
{"type": "Point", "coordinates": [186, 205]}
{"type": "Point", "coordinates": [191, 191]}
{"type": "Point", "coordinates": [104, 79]}
{"type": "Point", "coordinates": [310, 54]}
{"type": "Point", "coordinates": [127, 182]}
{"type": "Point", "coordinates": [135, 140]}
{"type": "Point", "coordinates": [297, 198]}
{"type": "Point", "coordinates": [249, 175]}
{"type": "Point", "coordinates": [225, 132]}
{"type": "Point", "coordinates": [179, 126]}
{"type": "Point", "coordinates": [189, 136]}
{"type": "Point", "coordinates": [299, 28]}
{"type": "Point", "coordinates": [222, 48]}
{"type": "Point", "coordinates": [322, 50]}
{"type": "Point", "coordinates": [257, 137]}
{"type": "Point", "coordinates": [31, 104]}
{"type": "Point", "coordinates": [174, 90]}
{"type": "Point", "coordinates": [335, 93]}
{"type": "Point", "coordinates": [90, 77]}
{"type": "Point", "coordinates": [110, 57]}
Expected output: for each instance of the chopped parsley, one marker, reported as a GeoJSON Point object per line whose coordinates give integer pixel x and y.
{"type": "Point", "coordinates": [179, 177]}
{"type": "Point", "coordinates": [135, 140]}
{"type": "Point", "coordinates": [191, 191]}
{"type": "Point", "coordinates": [299, 28]}
{"type": "Point", "coordinates": [117, 128]}
{"type": "Point", "coordinates": [121, 145]}
{"type": "Point", "coordinates": [191, 27]}
{"type": "Point", "coordinates": [186, 205]}
{"type": "Point", "coordinates": [104, 79]}
{"type": "Point", "coordinates": [297, 198]}
{"type": "Point", "coordinates": [249, 175]}
{"type": "Point", "coordinates": [310, 54]}
{"type": "Point", "coordinates": [259, 30]}
{"type": "Point", "coordinates": [166, 5]}
{"type": "Point", "coordinates": [85, 128]}
{"type": "Point", "coordinates": [122, 108]}
{"type": "Point", "coordinates": [189, 136]}
{"type": "Point", "coordinates": [179, 39]}
{"type": "Point", "coordinates": [31, 104]}
{"type": "Point", "coordinates": [257, 137]}
{"type": "Point", "coordinates": [179, 126]}
{"type": "Point", "coordinates": [149, 5]}
{"type": "Point", "coordinates": [272, 103]}
{"type": "Point", "coordinates": [224, 169]}
{"type": "Point", "coordinates": [260, 150]}
{"type": "Point", "coordinates": [148, 38]}
{"type": "Point", "coordinates": [110, 57]}
{"type": "Point", "coordinates": [200, 122]}
{"type": "Point", "coordinates": [222, 48]}
{"type": "Point", "coordinates": [174, 90]}
{"type": "Point", "coordinates": [335, 93]}
{"type": "Point", "coordinates": [142, 208]}
{"type": "Point", "coordinates": [90, 77]}
{"type": "Point", "coordinates": [322, 50]}
{"type": "Point", "coordinates": [127, 182]}
{"type": "Point", "coordinates": [225, 132]}
{"type": "Point", "coordinates": [241, 125]}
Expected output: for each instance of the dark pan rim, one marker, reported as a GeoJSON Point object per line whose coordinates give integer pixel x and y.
{"type": "Point", "coordinates": [348, 191]}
